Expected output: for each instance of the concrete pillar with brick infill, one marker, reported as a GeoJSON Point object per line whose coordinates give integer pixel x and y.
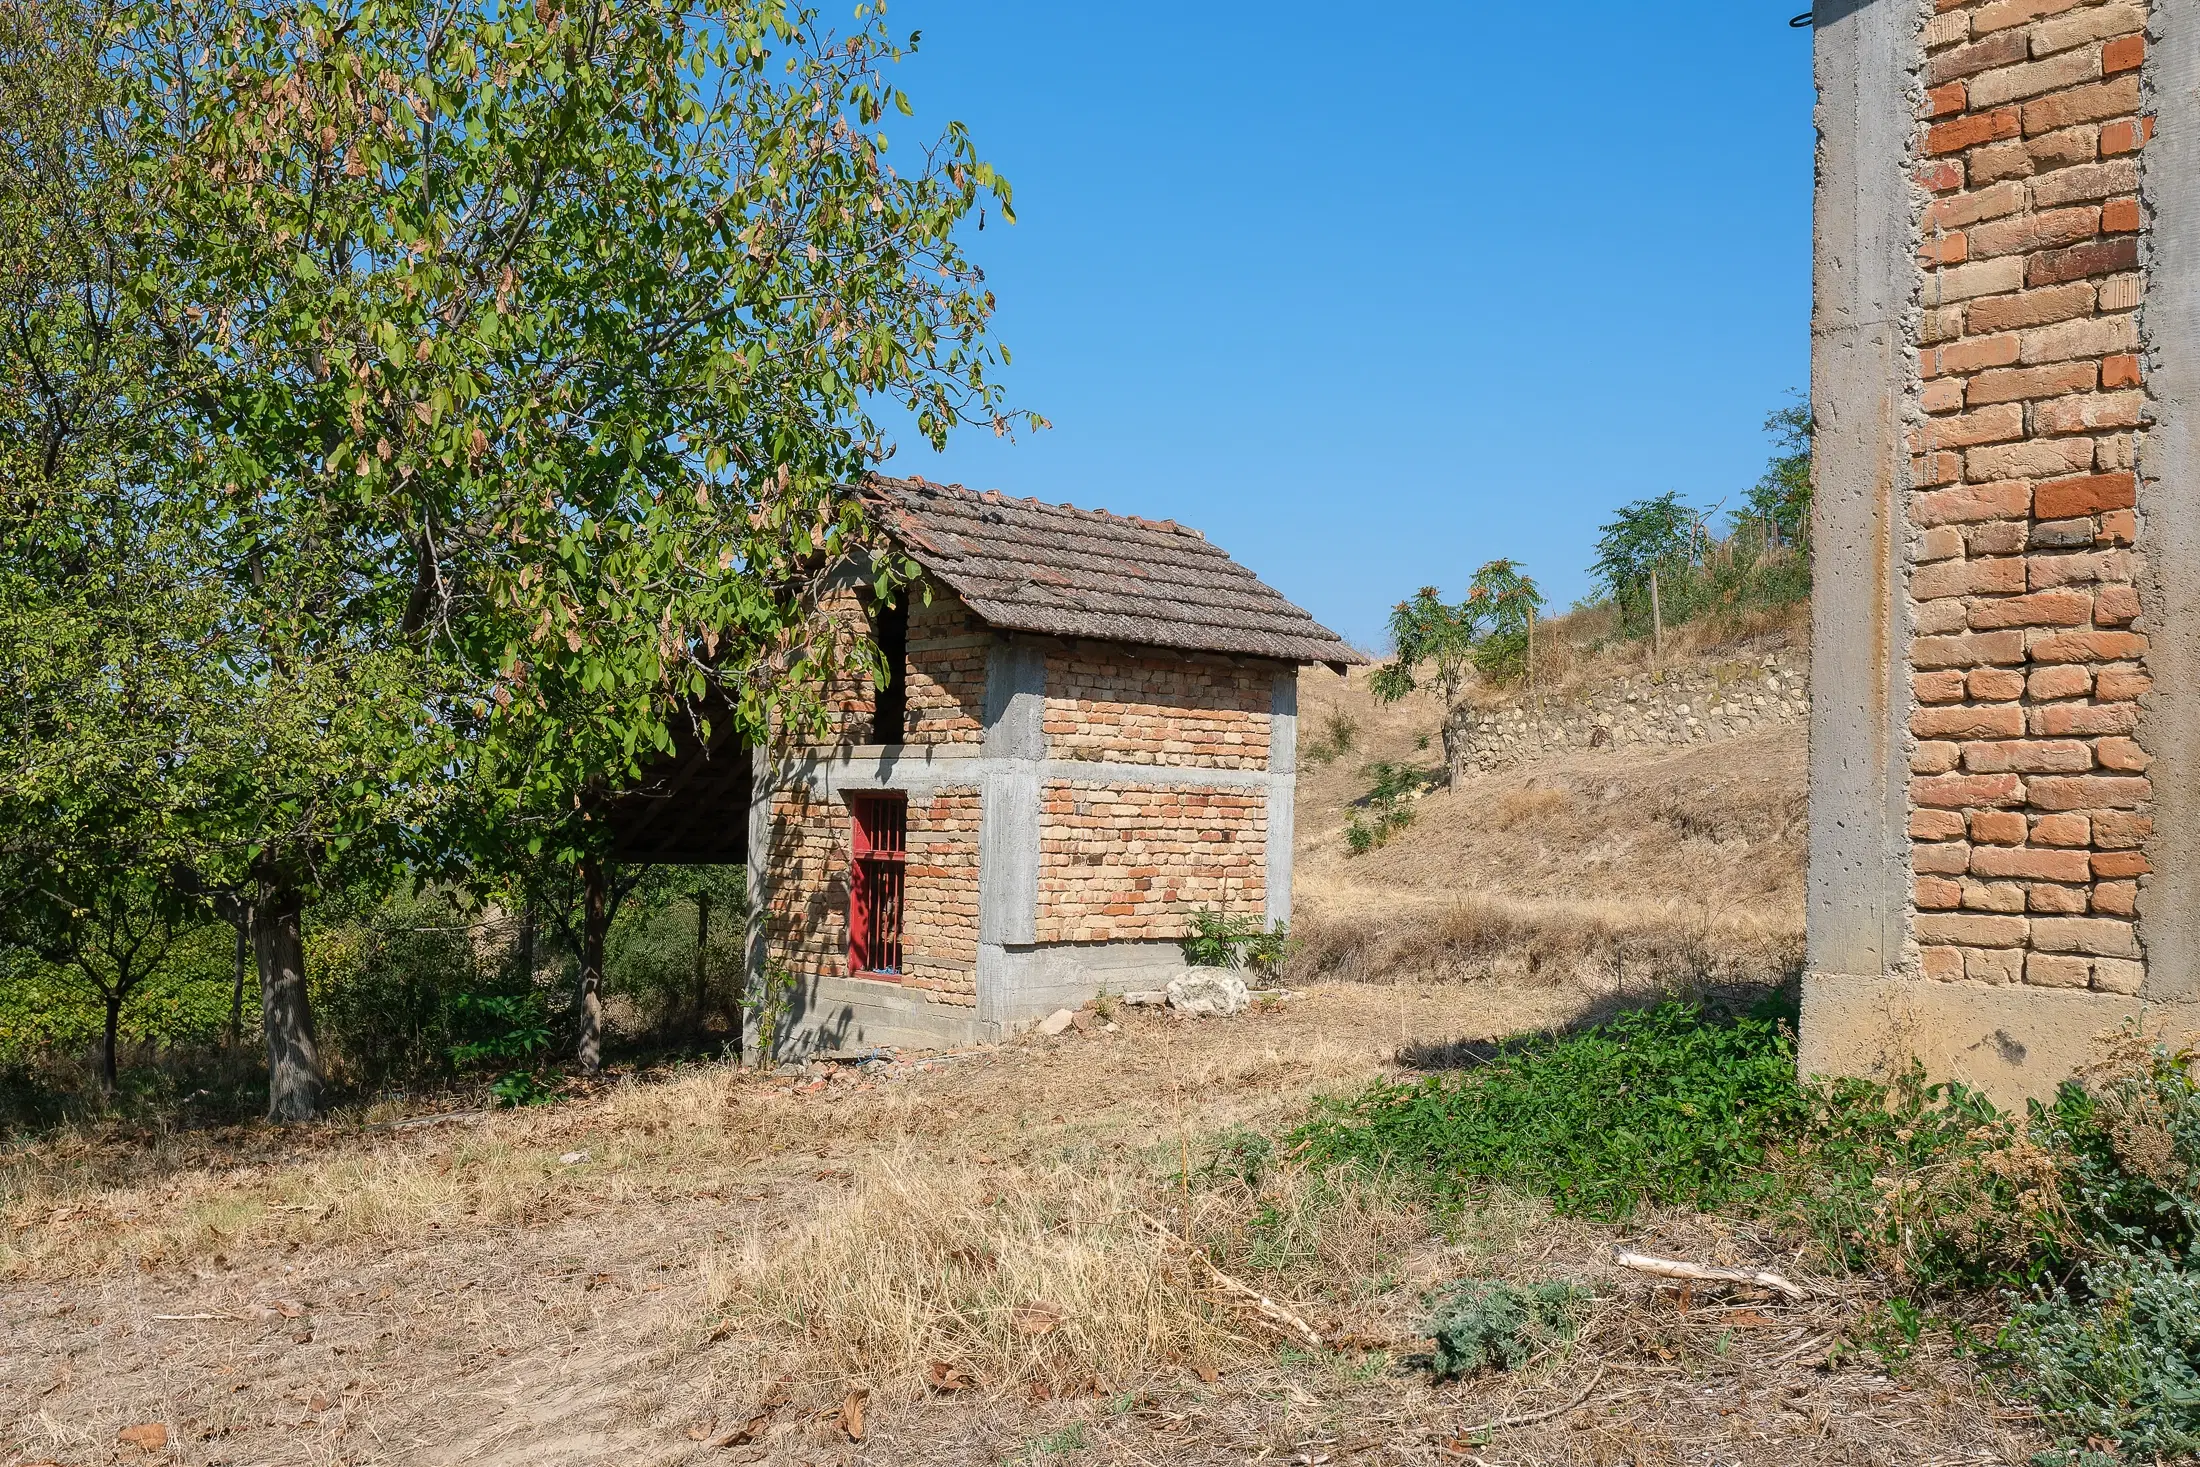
{"type": "Point", "coordinates": [1020, 979]}
{"type": "Point", "coordinates": [1283, 781]}
{"type": "Point", "coordinates": [2005, 834]}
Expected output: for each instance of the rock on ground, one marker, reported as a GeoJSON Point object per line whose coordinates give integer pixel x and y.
{"type": "Point", "coordinates": [1216, 993]}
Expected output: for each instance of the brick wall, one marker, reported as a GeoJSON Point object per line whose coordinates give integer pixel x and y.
{"type": "Point", "coordinates": [1127, 864]}
{"type": "Point", "coordinates": [946, 671]}
{"type": "Point", "coordinates": [808, 921]}
{"type": "Point", "coordinates": [1116, 703]}
{"type": "Point", "coordinates": [2029, 797]}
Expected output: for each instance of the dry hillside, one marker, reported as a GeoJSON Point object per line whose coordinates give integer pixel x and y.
{"type": "Point", "coordinates": [1604, 866]}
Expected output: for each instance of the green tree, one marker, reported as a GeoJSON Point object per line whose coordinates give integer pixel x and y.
{"type": "Point", "coordinates": [1780, 499]}
{"type": "Point", "coordinates": [1507, 603]}
{"type": "Point", "coordinates": [1433, 639]}
{"type": "Point", "coordinates": [514, 363]}
{"type": "Point", "coordinates": [1649, 536]}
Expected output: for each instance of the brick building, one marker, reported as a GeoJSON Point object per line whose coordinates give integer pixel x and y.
{"type": "Point", "coordinates": [2005, 777]}
{"type": "Point", "coordinates": [1089, 735]}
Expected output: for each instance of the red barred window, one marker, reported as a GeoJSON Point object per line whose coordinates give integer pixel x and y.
{"type": "Point", "coordinates": [875, 884]}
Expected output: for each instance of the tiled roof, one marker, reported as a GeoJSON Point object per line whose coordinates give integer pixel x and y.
{"type": "Point", "coordinates": [1029, 567]}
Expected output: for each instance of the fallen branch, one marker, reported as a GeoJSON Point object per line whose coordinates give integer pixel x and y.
{"type": "Point", "coordinates": [1507, 1423]}
{"type": "Point", "coordinates": [1266, 1307]}
{"type": "Point", "coordinates": [1674, 1268]}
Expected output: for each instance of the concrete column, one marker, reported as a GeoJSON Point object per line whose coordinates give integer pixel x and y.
{"type": "Point", "coordinates": [1864, 393]}
{"type": "Point", "coordinates": [756, 945]}
{"type": "Point", "coordinates": [2169, 502]}
{"type": "Point", "coordinates": [1283, 783]}
{"type": "Point", "coordinates": [1008, 825]}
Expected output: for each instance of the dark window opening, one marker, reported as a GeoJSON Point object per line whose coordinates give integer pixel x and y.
{"type": "Point", "coordinates": [875, 883]}
{"type": "Point", "coordinates": [890, 708]}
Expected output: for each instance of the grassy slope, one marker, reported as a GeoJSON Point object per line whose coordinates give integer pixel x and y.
{"type": "Point", "coordinates": [1573, 867]}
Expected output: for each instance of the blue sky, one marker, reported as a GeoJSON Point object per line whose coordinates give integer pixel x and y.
{"type": "Point", "coordinates": [1374, 294]}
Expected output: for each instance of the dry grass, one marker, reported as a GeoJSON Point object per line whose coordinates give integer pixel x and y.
{"type": "Point", "coordinates": [1004, 1278]}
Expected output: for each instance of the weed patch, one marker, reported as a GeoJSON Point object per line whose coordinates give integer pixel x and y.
{"type": "Point", "coordinates": [1487, 1324]}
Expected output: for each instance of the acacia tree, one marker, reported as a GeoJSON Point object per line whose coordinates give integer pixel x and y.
{"type": "Point", "coordinates": [1426, 631]}
{"type": "Point", "coordinates": [520, 358]}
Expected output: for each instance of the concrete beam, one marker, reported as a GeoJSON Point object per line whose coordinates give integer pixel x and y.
{"type": "Point", "coordinates": [1283, 784]}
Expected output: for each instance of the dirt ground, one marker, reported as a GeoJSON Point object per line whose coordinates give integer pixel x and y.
{"type": "Point", "coordinates": [553, 1286]}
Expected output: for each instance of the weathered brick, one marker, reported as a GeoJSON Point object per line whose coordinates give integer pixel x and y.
{"type": "Point", "coordinates": [1944, 396]}
{"type": "Point", "coordinates": [2064, 148]}
{"type": "Point", "coordinates": [1999, 424]}
{"type": "Point", "coordinates": [1971, 354]}
{"type": "Point", "coordinates": [1997, 161]}
{"type": "Point", "coordinates": [1935, 825]}
{"type": "Point", "coordinates": [1994, 684]}
{"type": "Point", "coordinates": [1942, 542]}
{"type": "Point", "coordinates": [1968, 502]}
{"type": "Point", "coordinates": [2096, 935]}
{"type": "Point", "coordinates": [1942, 964]}
{"type": "Point", "coordinates": [2057, 970]}
{"type": "Point", "coordinates": [1959, 211]}
{"type": "Point", "coordinates": [2122, 292]}
{"type": "Point", "coordinates": [2014, 83]}
{"type": "Point", "coordinates": [1942, 101]}
{"type": "Point", "coordinates": [2086, 792]}
{"type": "Point", "coordinates": [1932, 756]}
{"type": "Point", "coordinates": [1936, 893]}
{"type": "Point", "coordinates": [1992, 277]}
{"type": "Point", "coordinates": [2087, 181]}
{"type": "Point", "coordinates": [2121, 683]}
{"type": "Point", "coordinates": [2119, 831]}
{"type": "Point", "coordinates": [2018, 384]}
{"type": "Point", "coordinates": [2089, 413]}
{"type": "Point", "coordinates": [1997, 575]}
{"type": "Point", "coordinates": [1952, 858]}
{"type": "Point", "coordinates": [2066, 340]}
{"type": "Point", "coordinates": [1980, 649]}
{"type": "Point", "coordinates": [1969, 132]}
{"type": "Point", "coordinates": [1992, 896]}
{"type": "Point", "coordinates": [1949, 28]}
{"type": "Point", "coordinates": [1940, 618]}
{"type": "Point", "coordinates": [2116, 898]}
{"type": "Point", "coordinates": [1937, 687]}
{"type": "Point", "coordinates": [2125, 53]}
{"type": "Point", "coordinates": [2053, 267]}
{"type": "Point", "coordinates": [2005, 49]}
{"type": "Point", "coordinates": [2066, 681]}
{"type": "Point", "coordinates": [1967, 931]}
{"type": "Point", "coordinates": [1998, 827]}
{"type": "Point", "coordinates": [2028, 756]}
{"type": "Point", "coordinates": [2036, 609]}
{"type": "Point", "coordinates": [2043, 571]}
{"type": "Point", "coordinates": [2115, 605]}
{"type": "Point", "coordinates": [2040, 458]}
{"type": "Point", "coordinates": [2062, 534]}
{"type": "Point", "coordinates": [2088, 647]}
{"type": "Point", "coordinates": [2111, 864]}
{"type": "Point", "coordinates": [2005, 13]}
{"type": "Point", "coordinates": [2120, 216]}
{"type": "Point", "coordinates": [2120, 371]}
{"type": "Point", "coordinates": [2083, 720]}
{"type": "Point", "coordinates": [1970, 791]}
{"type": "Point", "coordinates": [2086, 26]}
{"type": "Point", "coordinates": [2062, 830]}
{"type": "Point", "coordinates": [2118, 96]}
{"type": "Point", "coordinates": [1993, 965]}
{"type": "Point", "coordinates": [2127, 135]}
{"type": "Point", "coordinates": [2026, 864]}
{"type": "Point", "coordinates": [2122, 754]}
{"type": "Point", "coordinates": [2049, 230]}
{"type": "Point", "coordinates": [2118, 975]}
{"type": "Point", "coordinates": [1998, 537]}
{"type": "Point", "coordinates": [2055, 900]}
{"type": "Point", "coordinates": [2036, 307]}
{"type": "Point", "coordinates": [1944, 249]}
{"type": "Point", "coordinates": [2085, 495]}
{"type": "Point", "coordinates": [2005, 721]}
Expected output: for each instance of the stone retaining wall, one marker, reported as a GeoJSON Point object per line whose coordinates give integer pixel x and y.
{"type": "Point", "coordinates": [1692, 707]}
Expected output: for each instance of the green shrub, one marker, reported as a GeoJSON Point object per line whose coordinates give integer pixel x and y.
{"type": "Point", "coordinates": [1217, 940]}
{"type": "Point", "coordinates": [1664, 1105]}
{"type": "Point", "coordinates": [1486, 1324]}
{"type": "Point", "coordinates": [2117, 1356]}
{"type": "Point", "coordinates": [1339, 732]}
{"type": "Point", "coordinates": [1387, 807]}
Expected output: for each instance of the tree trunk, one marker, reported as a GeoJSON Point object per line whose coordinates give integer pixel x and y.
{"type": "Point", "coordinates": [236, 987]}
{"type": "Point", "coordinates": [702, 956]}
{"type": "Point", "coordinates": [1455, 748]}
{"type": "Point", "coordinates": [526, 953]}
{"type": "Point", "coordinates": [294, 1078]}
{"type": "Point", "coordinates": [108, 1076]}
{"type": "Point", "coordinates": [595, 918]}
